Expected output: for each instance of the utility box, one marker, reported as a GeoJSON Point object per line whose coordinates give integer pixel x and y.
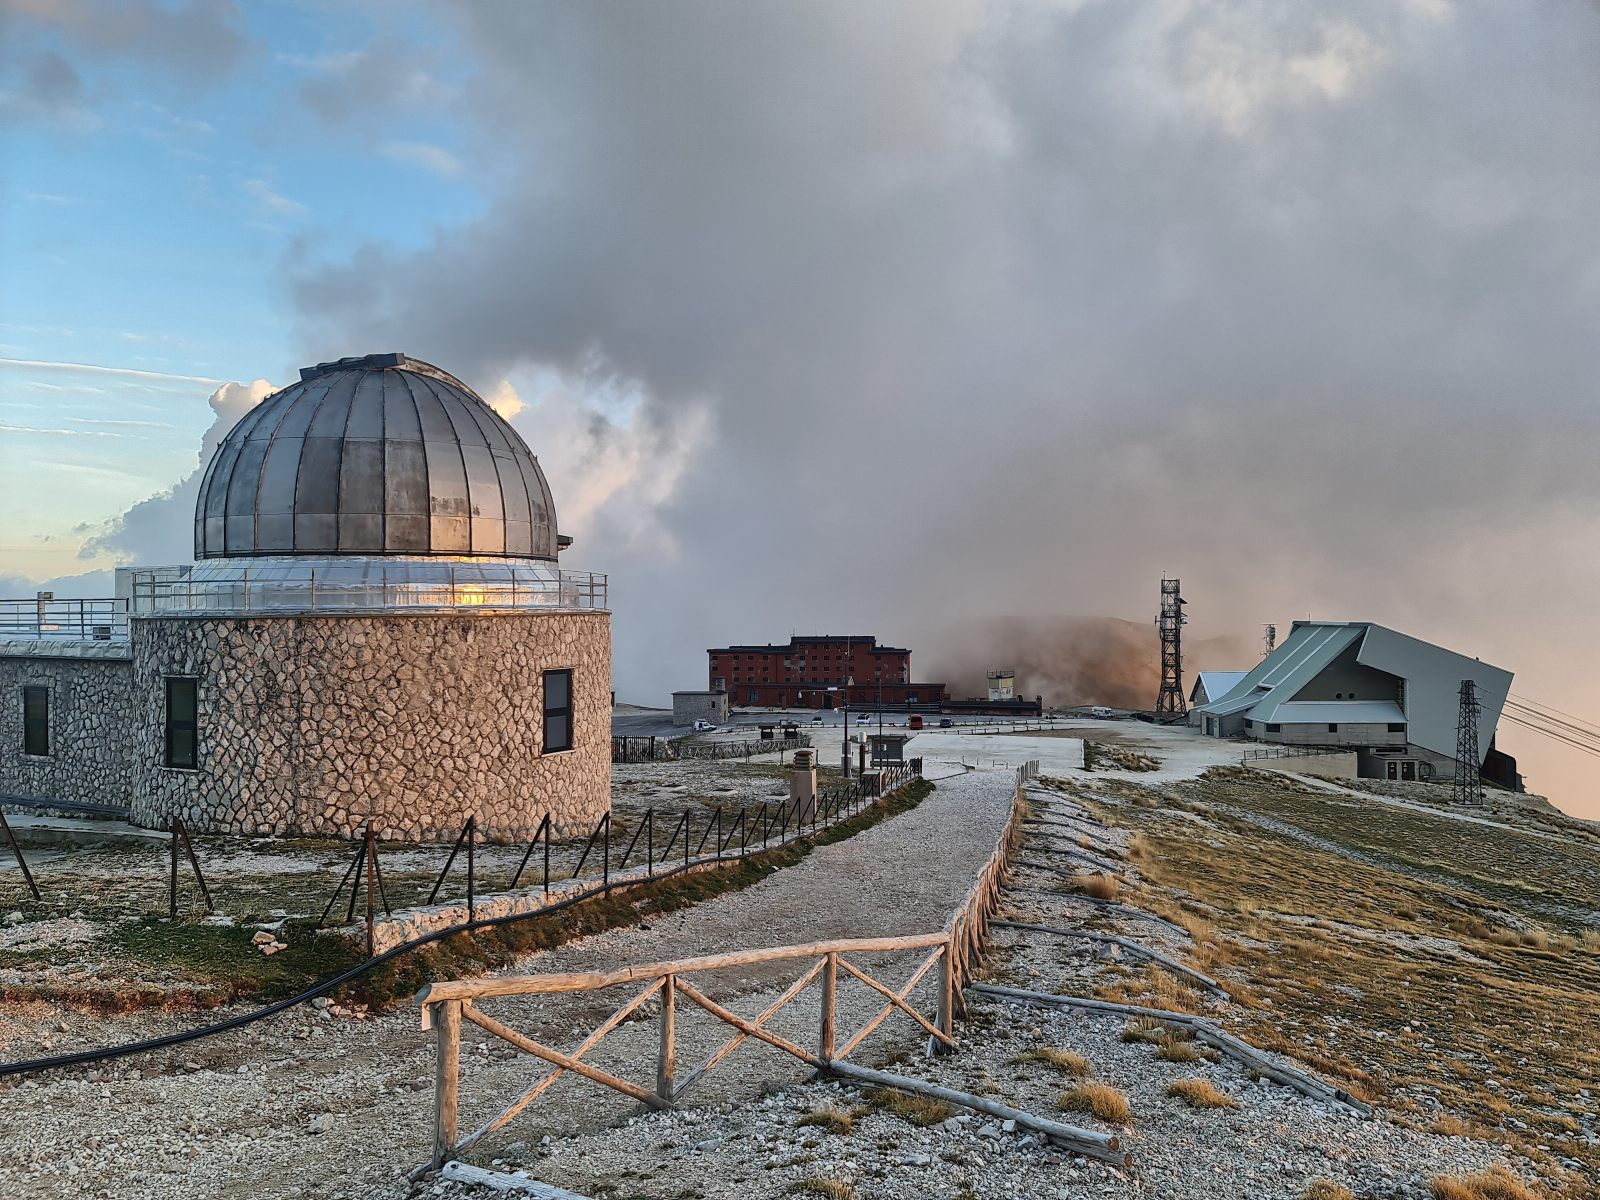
{"type": "Point", "coordinates": [803, 786]}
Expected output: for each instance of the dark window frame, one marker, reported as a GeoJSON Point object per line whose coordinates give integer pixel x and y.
{"type": "Point", "coordinates": [32, 745]}
{"type": "Point", "coordinates": [1274, 727]}
{"type": "Point", "coordinates": [1397, 727]}
{"type": "Point", "coordinates": [169, 757]}
{"type": "Point", "coordinates": [556, 745]}
{"type": "Point", "coordinates": [1333, 727]}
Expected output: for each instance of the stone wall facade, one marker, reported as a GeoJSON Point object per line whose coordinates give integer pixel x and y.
{"type": "Point", "coordinates": [311, 725]}
{"type": "Point", "coordinates": [91, 724]}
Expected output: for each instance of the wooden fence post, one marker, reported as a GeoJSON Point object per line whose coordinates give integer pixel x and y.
{"type": "Point", "coordinates": [830, 993]}
{"type": "Point", "coordinates": [947, 980]}
{"type": "Point", "coordinates": [667, 1058]}
{"type": "Point", "coordinates": [447, 1079]}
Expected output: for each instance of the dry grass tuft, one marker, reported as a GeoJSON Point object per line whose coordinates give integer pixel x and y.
{"type": "Point", "coordinates": [1200, 1093]}
{"type": "Point", "coordinates": [1099, 1099]}
{"type": "Point", "coordinates": [1591, 939]}
{"type": "Point", "coordinates": [1145, 1029]}
{"type": "Point", "coordinates": [1496, 1183]}
{"type": "Point", "coordinates": [831, 1120]}
{"type": "Point", "coordinates": [1099, 885]}
{"type": "Point", "coordinates": [834, 1189]}
{"type": "Point", "coordinates": [1326, 1189]}
{"type": "Point", "coordinates": [1146, 800]}
{"type": "Point", "coordinates": [1178, 1049]}
{"type": "Point", "coordinates": [1065, 1061]}
{"type": "Point", "coordinates": [918, 1110]}
{"type": "Point", "coordinates": [1138, 847]}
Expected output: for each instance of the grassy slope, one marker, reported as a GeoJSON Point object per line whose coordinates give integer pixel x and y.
{"type": "Point", "coordinates": [1330, 906]}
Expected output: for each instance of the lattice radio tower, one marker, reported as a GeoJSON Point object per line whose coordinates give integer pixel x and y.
{"type": "Point", "coordinates": [1170, 701]}
{"type": "Point", "coordinates": [1468, 786]}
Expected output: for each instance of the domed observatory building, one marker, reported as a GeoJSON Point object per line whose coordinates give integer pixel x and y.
{"type": "Point", "coordinates": [375, 627]}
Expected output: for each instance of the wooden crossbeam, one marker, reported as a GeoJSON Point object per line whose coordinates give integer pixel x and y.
{"type": "Point", "coordinates": [738, 1039]}
{"type": "Point", "coordinates": [896, 1000]}
{"type": "Point", "coordinates": [749, 1027]}
{"type": "Point", "coordinates": [549, 985]}
{"type": "Point", "coordinates": [541, 1085]}
{"type": "Point", "coordinates": [528, 1045]}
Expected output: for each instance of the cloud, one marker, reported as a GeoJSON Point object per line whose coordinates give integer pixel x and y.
{"type": "Point", "coordinates": [50, 90]}
{"type": "Point", "coordinates": [92, 369]}
{"type": "Point", "coordinates": [198, 40]}
{"type": "Point", "coordinates": [503, 398]}
{"type": "Point", "coordinates": [160, 528]}
{"type": "Point", "coordinates": [279, 205]}
{"type": "Point", "coordinates": [1011, 308]}
{"type": "Point", "coordinates": [424, 155]}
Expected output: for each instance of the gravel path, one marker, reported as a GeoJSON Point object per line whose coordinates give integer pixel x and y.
{"type": "Point", "coordinates": [310, 1105]}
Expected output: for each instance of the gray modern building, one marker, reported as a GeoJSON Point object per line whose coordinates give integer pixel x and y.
{"type": "Point", "coordinates": [375, 628]}
{"type": "Point", "coordinates": [1359, 686]}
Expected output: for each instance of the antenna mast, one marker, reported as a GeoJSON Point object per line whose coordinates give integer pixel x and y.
{"type": "Point", "coordinates": [1171, 702]}
{"type": "Point", "coordinates": [1468, 786]}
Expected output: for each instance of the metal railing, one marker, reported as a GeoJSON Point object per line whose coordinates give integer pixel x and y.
{"type": "Point", "coordinates": [101, 619]}
{"type": "Point", "coordinates": [162, 591]}
{"type": "Point", "coordinates": [1289, 751]}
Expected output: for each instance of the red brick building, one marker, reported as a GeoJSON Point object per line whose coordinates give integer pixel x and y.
{"type": "Point", "coordinates": [820, 672]}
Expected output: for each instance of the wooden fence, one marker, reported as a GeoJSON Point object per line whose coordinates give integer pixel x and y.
{"type": "Point", "coordinates": [955, 952]}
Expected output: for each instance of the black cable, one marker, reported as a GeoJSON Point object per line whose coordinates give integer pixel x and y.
{"type": "Point", "coordinates": [81, 1057]}
{"type": "Point", "coordinates": [1586, 747]}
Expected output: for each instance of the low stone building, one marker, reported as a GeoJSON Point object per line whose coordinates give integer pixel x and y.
{"type": "Point", "coordinates": [689, 707]}
{"type": "Point", "coordinates": [375, 629]}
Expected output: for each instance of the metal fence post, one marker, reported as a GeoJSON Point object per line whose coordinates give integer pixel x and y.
{"type": "Point", "coordinates": [472, 838]}
{"type": "Point", "coordinates": [172, 878]}
{"type": "Point", "coordinates": [372, 861]}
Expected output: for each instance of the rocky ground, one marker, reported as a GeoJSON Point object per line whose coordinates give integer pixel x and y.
{"type": "Point", "coordinates": [1440, 965]}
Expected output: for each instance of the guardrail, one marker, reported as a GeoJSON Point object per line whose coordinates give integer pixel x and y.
{"type": "Point", "coordinates": [163, 591]}
{"type": "Point", "coordinates": [956, 951]}
{"type": "Point", "coordinates": [1292, 752]}
{"type": "Point", "coordinates": [100, 619]}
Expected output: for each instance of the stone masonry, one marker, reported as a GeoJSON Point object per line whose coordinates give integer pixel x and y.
{"type": "Point", "coordinates": [311, 725]}
{"type": "Point", "coordinates": [91, 723]}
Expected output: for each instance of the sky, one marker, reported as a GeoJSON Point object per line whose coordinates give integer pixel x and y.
{"type": "Point", "coordinates": [929, 319]}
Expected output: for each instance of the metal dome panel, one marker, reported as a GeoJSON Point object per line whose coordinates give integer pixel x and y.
{"type": "Point", "coordinates": [377, 455]}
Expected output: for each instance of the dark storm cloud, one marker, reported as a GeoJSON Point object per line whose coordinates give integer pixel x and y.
{"type": "Point", "coordinates": [1010, 308]}
{"type": "Point", "coordinates": [200, 39]}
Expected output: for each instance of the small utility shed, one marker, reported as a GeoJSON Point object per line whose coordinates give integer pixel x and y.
{"type": "Point", "coordinates": [689, 707]}
{"type": "Point", "coordinates": [1210, 686]}
{"type": "Point", "coordinates": [1356, 685]}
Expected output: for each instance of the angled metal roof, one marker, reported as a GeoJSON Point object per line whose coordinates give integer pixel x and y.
{"type": "Point", "coordinates": [377, 455]}
{"type": "Point", "coordinates": [1216, 683]}
{"type": "Point", "coordinates": [1432, 678]}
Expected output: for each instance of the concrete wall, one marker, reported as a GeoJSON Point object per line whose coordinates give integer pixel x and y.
{"type": "Point", "coordinates": [91, 723]}
{"type": "Point", "coordinates": [311, 724]}
{"type": "Point", "coordinates": [1345, 678]}
{"type": "Point", "coordinates": [1316, 734]}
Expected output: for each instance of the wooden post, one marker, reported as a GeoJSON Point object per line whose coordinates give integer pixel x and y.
{"type": "Point", "coordinates": [447, 1079]}
{"type": "Point", "coordinates": [830, 992]}
{"type": "Point", "coordinates": [947, 979]}
{"type": "Point", "coordinates": [667, 1058]}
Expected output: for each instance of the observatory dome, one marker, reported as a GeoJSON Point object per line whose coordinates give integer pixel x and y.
{"type": "Point", "coordinates": [381, 455]}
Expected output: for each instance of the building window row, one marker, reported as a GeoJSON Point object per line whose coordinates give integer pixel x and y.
{"type": "Point", "coordinates": [181, 726]}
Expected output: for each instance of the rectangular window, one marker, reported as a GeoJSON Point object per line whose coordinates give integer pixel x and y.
{"type": "Point", "coordinates": [752, 695]}
{"type": "Point", "coordinates": [1271, 728]}
{"type": "Point", "coordinates": [183, 723]}
{"type": "Point", "coordinates": [1397, 728]}
{"type": "Point", "coordinates": [36, 721]}
{"type": "Point", "coordinates": [557, 711]}
{"type": "Point", "coordinates": [1333, 728]}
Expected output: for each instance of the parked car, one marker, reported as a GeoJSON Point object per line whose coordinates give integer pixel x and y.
{"type": "Point", "coordinates": [914, 721]}
{"type": "Point", "coordinates": [863, 718]}
{"type": "Point", "coordinates": [704, 726]}
{"type": "Point", "coordinates": [817, 720]}
{"type": "Point", "coordinates": [945, 722]}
